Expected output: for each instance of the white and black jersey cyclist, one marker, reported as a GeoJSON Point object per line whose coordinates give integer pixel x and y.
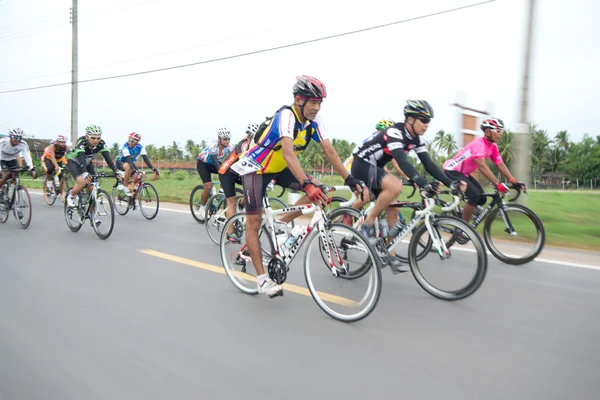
{"type": "Point", "coordinates": [10, 148]}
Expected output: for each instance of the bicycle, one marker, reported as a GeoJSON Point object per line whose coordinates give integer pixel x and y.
{"type": "Point", "coordinates": [91, 205]}
{"type": "Point", "coordinates": [51, 190]}
{"type": "Point", "coordinates": [426, 239]}
{"type": "Point", "coordinates": [141, 192]}
{"type": "Point", "coordinates": [512, 225]}
{"type": "Point", "coordinates": [216, 207]}
{"type": "Point", "coordinates": [337, 244]}
{"type": "Point", "coordinates": [195, 202]}
{"type": "Point", "coordinates": [15, 197]}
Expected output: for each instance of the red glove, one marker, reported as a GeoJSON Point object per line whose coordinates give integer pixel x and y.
{"type": "Point", "coordinates": [315, 194]}
{"type": "Point", "coordinates": [502, 188]}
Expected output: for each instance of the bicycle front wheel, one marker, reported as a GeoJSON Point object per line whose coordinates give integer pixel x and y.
{"type": "Point", "coordinates": [72, 217]}
{"type": "Point", "coordinates": [342, 299]}
{"type": "Point", "coordinates": [515, 238]}
{"type": "Point", "coordinates": [215, 218]}
{"type": "Point", "coordinates": [454, 274]}
{"type": "Point", "coordinates": [49, 192]}
{"type": "Point", "coordinates": [102, 215]}
{"type": "Point", "coordinates": [148, 200]}
{"type": "Point", "coordinates": [22, 207]}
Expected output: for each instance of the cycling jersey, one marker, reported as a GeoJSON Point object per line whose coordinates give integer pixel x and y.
{"type": "Point", "coordinates": [464, 160]}
{"type": "Point", "coordinates": [213, 150]}
{"type": "Point", "coordinates": [239, 148]}
{"type": "Point", "coordinates": [377, 149]}
{"type": "Point", "coordinates": [348, 161]}
{"type": "Point", "coordinates": [58, 152]}
{"type": "Point", "coordinates": [266, 156]}
{"type": "Point", "coordinates": [8, 152]}
{"type": "Point", "coordinates": [133, 153]}
{"type": "Point", "coordinates": [82, 147]}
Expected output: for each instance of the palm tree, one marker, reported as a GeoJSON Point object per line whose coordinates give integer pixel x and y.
{"type": "Point", "coordinates": [562, 140]}
{"type": "Point", "coordinates": [445, 142]}
{"type": "Point", "coordinates": [506, 146]}
{"type": "Point", "coordinates": [114, 150]}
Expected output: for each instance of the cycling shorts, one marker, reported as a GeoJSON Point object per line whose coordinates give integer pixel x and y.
{"type": "Point", "coordinates": [474, 189]}
{"type": "Point", "coordinates": [205, 170]}
{"type": "Point", "coordinates": [75, 169]}
{"type": "Point", "coordinates": [370, 174]}
{"type": "Point", "coordinates": [255, 187]}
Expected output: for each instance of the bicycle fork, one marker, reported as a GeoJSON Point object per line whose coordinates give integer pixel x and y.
{"type": "Point", "coordinates": [438, 242]}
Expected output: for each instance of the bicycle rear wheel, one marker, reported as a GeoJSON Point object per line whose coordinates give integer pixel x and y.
{"type": "Point", "coordinates": [148, 201]}
{"type": "Point", "coordinates": [4, 209]}
{"type": "Point", "coordinates": [22, 207]}
{"type": "Point", "coordinates": [519, 242]}
{"type": "Point", "coordinates": [195, 204]}
{"type": "Point", "coordinates": [49, 192]}
{"type": "Point", "coordinates": [215, 217]}
{"type": "Point", "coordinates": [72, 217]}
{"type": "Point", "coordinates": [120, 200]}
{"type": "Point", "coordinates": [457, 274]}
{"type": "Point", "coordinates": [102, 215]}
{"type": "Point", "coordinates": [342, 299]}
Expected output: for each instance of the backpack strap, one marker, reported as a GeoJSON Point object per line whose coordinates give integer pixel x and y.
{"type": "Point", "coordinates": [263, 127]}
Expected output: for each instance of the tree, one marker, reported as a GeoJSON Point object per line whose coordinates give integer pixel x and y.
{"type": "Point", "coordinates": [114, 150]}
{"type": "Point", "coordinates": [506, 146]}
{"type": "Point", "coordinates": [445, 143]}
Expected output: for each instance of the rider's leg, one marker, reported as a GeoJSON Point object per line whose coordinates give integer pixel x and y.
{"type": "Point", "coordinates": [474, 198]}
{"type": "Point", "coordinates": [286, 179]}
{"type": "Point", "coordinates": [76, 172]}
{"type": "Point", "coordinates": [204, 170]}
{"type": "Point", "coordinates": [390, 189]}
{"type": "Point", "coordinates": [127, 174]}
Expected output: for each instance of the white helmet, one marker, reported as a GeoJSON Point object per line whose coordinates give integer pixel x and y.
{"type": "Point", "coordinates": [224, 133]}
{"type": "Point", "coordinates": [251, 129]}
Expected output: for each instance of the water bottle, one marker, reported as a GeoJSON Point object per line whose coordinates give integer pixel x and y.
{"type": "Point", "coordinates": [383, 228]}
{"type": "Point", "coordinates": [293, 237]}
{"type": "Point", "coordinates": [56, 181]}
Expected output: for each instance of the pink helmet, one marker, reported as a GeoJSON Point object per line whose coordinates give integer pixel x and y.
{"type": "Point", "coordinates": [310, 87]}
{"type": "Point", "coordinates": [61, 138]}
{"type": "Point", "coordinates": [135, 136]}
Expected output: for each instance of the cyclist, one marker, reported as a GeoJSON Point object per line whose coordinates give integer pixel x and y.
{"type": "Point", "coordinates": [273, 156]}
{"type": "Point", "coordinates": [54, 160]}
{"type": "Point", "coordinates": [227, 176]}
{"type": "Point", "coordinates": [393, 143]}
{"type": "Point", "coordinates": [472, 157]}
{"type": "Point", "coordinates": [79, 159]}
{"type": "Point", "coordinates": [128, 154]}
{"type": "Point", "coordinates": [9, 150]}
{"type": "Point", "coordinates": [209, 162]}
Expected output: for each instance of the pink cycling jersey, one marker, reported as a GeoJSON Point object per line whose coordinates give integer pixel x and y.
{"type": "Point", "coordinates": [464, 161]}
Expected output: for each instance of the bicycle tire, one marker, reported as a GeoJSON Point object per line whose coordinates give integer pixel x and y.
{"type": "Point", "coordinates": [195, 207]}
{"type": "Point", "coordinates": [111, 210]}
{"type": "Point", "coordinates": [375, 281]}
{"type": "Point", "coordinates": [119, 197]}
{"type": "Point", "coordinates": [74, 226]}
{"type": "Point", "coordinates": [147, 188]}
{"type": "Point", "coordinates": [540, 240]}
{"type": "Point", "coordinates": [475, 240]}
{"type": "Point", "coordinates": [213, 206]}
{"type": "Point", "coordinates": [22, 194]}
{"type": "Point", "coordinates": [337, 199]}
{"type": "Point", "coordinates": [5, 210]}
{"type": "Point", "coordinates": [52, 199]}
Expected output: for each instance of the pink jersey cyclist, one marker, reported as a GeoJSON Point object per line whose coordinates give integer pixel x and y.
{"type": "Point", "coordinates": [464, 161]}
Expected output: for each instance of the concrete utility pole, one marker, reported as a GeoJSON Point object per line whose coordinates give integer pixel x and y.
{"type": "Point", "coordinates": [523, 134]}
{"type": "Point", "coordinates": [74, 76]}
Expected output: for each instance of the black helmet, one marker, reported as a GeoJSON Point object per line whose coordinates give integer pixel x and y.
{"type": "Point", "coordinates": [310, 87]}
{"type": "Point", "coordinates": [418, 108]}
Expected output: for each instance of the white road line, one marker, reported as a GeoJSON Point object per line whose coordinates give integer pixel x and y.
{"type": "Point", "coordinates": [540, 260]}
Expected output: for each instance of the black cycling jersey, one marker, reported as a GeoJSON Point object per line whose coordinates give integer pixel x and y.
{"type": "Point", "coordinates": [83, 147]}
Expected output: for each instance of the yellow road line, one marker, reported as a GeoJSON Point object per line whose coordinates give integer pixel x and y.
{"type": "Point", "coordinates": [220, 270]}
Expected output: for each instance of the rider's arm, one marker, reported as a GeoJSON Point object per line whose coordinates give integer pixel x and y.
{"type": "Point", "coordinates": [395, 164]}
{"type": "Point", "coordinates": [504, 171]}
{"type": "Point", "coordinates": [215, 161]}
{"type": "Point", "coordinates": [407, 167]}
{"type": "Point", "coordinates": [52, 157]}
{"type": "Point", "coordinates": [147, 161]}
{"type": "Point", "coordinates": [433, 169]}
{"type": "Point", "coordinates": [486, 171]}
{"type": "Point", "coordinates": [27, 156]}
{"type": "Point", "coordinates": [287, 148]}
{"type": "Point", "coordinates": [333, 158]}
{"type": "Point", "coordinates": [109, 161]}
{"type": "Point", "coordinates": [127, 159]}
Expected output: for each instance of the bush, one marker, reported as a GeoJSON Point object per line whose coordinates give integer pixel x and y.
{"type": "Point", "coordinates": [178, 175]}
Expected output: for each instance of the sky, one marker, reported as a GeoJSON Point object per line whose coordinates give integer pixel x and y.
{"type": "Point", "coordinates": [475, 55]}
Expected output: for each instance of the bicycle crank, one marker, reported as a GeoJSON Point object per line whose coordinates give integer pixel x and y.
{"type": "Point", "coordinates": [277, 270]}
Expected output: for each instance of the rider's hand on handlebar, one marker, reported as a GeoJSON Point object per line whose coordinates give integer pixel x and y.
{"type": "Point", "coordinates": [520, 186]}
{"type": "Point", "coordinates": [315, 193]}
{"type": "Point", "coordinates": [502, 188]}
{"type": "Point", "coordinates": [33, 173]}
{"type": "Point", "coordinates": [354, 183]}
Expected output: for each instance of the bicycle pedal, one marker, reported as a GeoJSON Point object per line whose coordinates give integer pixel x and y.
{"type": "Point", "coordinates": [280, 293]}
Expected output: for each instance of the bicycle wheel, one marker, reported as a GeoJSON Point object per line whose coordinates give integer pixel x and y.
{"type": "Point", "coordinates": [4, 209]}
{"type": "Point", "coordinates": [120, 200]}
{"type": "Point", "coordinates": [235, 256]}
{"type": "Point", "coordinates": [72, 217]}
{"type": "Point", "coordinates": [520, 239]}
{"type": "Point", "coordinates": [49, 192]}
{"type": "Point", "coordinates": [22, 207]}
{"type": "Point", "coordinates": [277, 204]}
{"type": "Point", "coordinates": [459, 273]}
{"type": "Point", "coordinates": [336, 200]}
{"type": "Point", "coordinates": [147, 197]}
{"type": "Point", "coordinates": [195, 204]}
{"type": "Point", "coordinates": [102, 215]}
{"type": "Point", "coordinates": [215, 217]}
{"type": "Point", "coordinates": [342, 299]}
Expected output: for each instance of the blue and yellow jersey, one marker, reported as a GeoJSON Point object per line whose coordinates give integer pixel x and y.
{"type": "Point", "coordinates": [133, 152]}
{"type": "Point", "coordinates": [266, 156]}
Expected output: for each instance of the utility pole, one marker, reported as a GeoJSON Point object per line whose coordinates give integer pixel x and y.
{"type": "Point", "coordinates": [523, 130]}
{"type": "Point", "coordinates": [74, 76]}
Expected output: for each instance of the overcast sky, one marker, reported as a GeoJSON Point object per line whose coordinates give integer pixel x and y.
{"type": "Point", "coordinates": [477, 51]}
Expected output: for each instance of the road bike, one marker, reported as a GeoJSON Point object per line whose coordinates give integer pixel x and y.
{"type": "Point", "coordinates": [15, 197]}
{"type": "Point", "coordinates": [143, 194]}
{"type": "Point", "coordinates": [51, 189]}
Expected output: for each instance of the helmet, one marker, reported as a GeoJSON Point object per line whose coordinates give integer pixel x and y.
{"type": "Point", "coordinates": [224, 133]}
{"type": "Point", "coordinates": [61, 138]}
{"type": "Point", "coordinates": [418, 108]}
{"type": "Point", "coordinates": [251, 129]}
{"type": "Point", "coordinates": [16, 132]}
{"type": "Point", "coordinates": [309, 86]}
{"type": "Point", "coordinates": [384, 124]}
{"type": "Point", "coordinates": [135, 136]}
{"type": "Point", "coordinates": [93, 130]}
{"type": "Point", "coordinates": [492, 123]}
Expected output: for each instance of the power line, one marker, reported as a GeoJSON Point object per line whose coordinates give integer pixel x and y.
{"type": "Point", "coordinates": [256, 51]}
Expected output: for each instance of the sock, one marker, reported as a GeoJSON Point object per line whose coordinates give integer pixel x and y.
{"type": "Point", "coordinates": [261, 279]}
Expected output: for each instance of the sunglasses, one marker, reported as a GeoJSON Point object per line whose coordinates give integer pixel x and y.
{"type": "Point", "coordinates": [424, 120]}
{"type": "Point", "coordinates": [15, 137]}
{"type": "Point", "coordinates": [95, 137]}
{"type": "Point", "coordinates": [133, 141]}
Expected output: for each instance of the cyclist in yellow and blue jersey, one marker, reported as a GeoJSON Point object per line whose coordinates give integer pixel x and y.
{"type": "Point", "coordinates": [274, 156]}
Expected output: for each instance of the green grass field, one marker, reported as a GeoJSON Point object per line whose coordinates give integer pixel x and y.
{"type": "Point", "coordinates": [571, 219]}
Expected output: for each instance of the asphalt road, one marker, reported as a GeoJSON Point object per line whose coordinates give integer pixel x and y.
{"type": "Point", "coordinates": [82, 318]}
